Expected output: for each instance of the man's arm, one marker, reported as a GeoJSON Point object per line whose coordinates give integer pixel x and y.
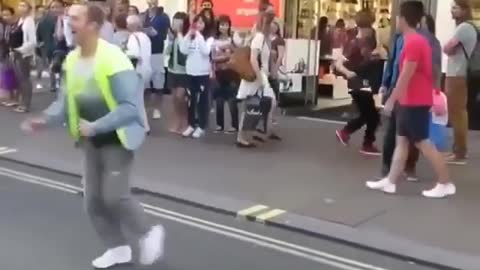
{"type": "Point", "coordinates": [125, 87]}
{"type": "Point", "coordinates": [412, 55]}
{"type": "Point", "coordinates": [406, 74]}
{"type": "Point", "coordinates": [456, 41]}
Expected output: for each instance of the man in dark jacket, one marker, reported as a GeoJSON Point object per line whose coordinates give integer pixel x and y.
{"type": "Point", "coordinates": [156, 26]}
{"type": "Point", "coordinates": [46, 41]}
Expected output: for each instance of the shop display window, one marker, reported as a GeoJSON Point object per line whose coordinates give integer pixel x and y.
{"type": "Point", "coordinates": [476, 11]}
{"type": "Point", "coordinates": [301, 16]}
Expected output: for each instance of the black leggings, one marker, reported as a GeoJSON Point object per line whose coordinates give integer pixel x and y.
{"type": "Point", "coordinates": [368, 115]}
{"type": "Point", "coordinates": [226, 92]}
{"type": "Point", "coordinates": [198, 101]}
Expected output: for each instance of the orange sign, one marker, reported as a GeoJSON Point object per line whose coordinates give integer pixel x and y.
{"type": "Point", "coordinates": [243, 13]}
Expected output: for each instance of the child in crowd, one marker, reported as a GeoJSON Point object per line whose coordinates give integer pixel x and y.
{"type": "Point", "coordinates": [177, 78]}
{"type": "Point", "coordinates": [439, 121]}
{"type": "Point", "coordinates": [197, 45]}
{"type": "Point", "coordinates": [227, 80]}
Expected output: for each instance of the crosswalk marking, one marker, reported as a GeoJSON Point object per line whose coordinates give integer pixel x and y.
{"type": "Point", "coordinates": [260, 213]}
{"type": "Point", "coordinates": [269, 215]}
{"type": "Point", "coordinates": [251, 210]}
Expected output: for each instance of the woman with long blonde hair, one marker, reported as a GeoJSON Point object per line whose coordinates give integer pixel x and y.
{"type": "Point", "coordinates": [259, 59]}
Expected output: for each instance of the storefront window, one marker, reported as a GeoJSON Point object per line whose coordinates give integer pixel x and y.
{"type": "Point", "coordinates": [301, 16]}
{"type": "Point", "coordinates": [476, 11]}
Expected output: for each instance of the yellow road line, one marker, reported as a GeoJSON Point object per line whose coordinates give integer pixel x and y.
{"type": "Point", "coordinates": [251, 210]}
{"type": "Point", "coordinates": [269, 215]}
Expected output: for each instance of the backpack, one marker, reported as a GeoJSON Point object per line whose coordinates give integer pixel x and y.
{"type": "Point", "coordinates": [474, 59]}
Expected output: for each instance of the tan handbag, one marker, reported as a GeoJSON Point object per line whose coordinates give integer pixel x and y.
{"type": "Point", "coordinates": [240, 63]}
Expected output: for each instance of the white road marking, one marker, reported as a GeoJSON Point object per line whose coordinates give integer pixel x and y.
{"type": "Point", "coordinates": [261, 243]}
{"type": "Point", "coordinates": [231, 232]}
{"type": "Point", "coordinates": [321, 120]}
{"type": "Point", "coordinates": [7, 151]}
{"type": "Point", "coordinates": [31, 181]}
{"type": "Point", "coordinates": [40, 179]}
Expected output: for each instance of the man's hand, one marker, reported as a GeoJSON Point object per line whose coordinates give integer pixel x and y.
{"type": "Point", "coordinates": [382, 90]}
{"type": "Point", "coordinates": [33, 124]}
{"type": "Point", "coordinates": [388, 108]}
{"type": "Point", "coordinates": [350, 74]}
{"type": "Point", "coordinates": [150, 31]}
{"type": "Point", "coordinates": [86, 128]}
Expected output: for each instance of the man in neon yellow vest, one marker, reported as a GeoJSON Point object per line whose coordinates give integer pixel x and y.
{"type": "Point", "coordinates": [101, 102]}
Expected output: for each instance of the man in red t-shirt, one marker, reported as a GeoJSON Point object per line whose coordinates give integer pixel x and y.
{"type": "Point", "coordinates": [414, 95]}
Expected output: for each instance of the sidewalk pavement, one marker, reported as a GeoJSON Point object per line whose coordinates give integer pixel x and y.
{"type": "Point", "coordinates": [320, 185]}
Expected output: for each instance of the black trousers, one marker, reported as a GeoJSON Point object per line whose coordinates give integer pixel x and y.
{"type": "Point", "coordinates": [198, 108]}
{"type": "Point", "coordinates": [368, 115]}
{"type": "Point", "coordinates": [226, 92]}
{"type": "Point", "coordinates": [389, 145]}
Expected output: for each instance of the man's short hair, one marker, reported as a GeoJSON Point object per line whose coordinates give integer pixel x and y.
{"type": "Point", "coordinates": [95, 14]}
{"type": "Point", "coordinates": [412, 12]}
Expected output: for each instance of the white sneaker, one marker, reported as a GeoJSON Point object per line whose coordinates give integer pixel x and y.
{"type": "Point", "coordinates": [188, 132]}
{"type": "Point", "coordinates": [384, 185]}
{"type": "Point", "coordinates": [112, 257]}
{"type": "Point", "coordinates": [156, 114]}
{"type": "Point", "coordinates": [151, 245]}
{"type": "Point", "coordinates": [45, 74]}
{"type": "Point", "coordinates": [39, 86]}
{"type": "Point", "coordinates": [440, 191]}
{"type": "Point", "coordinates": [198, 133]}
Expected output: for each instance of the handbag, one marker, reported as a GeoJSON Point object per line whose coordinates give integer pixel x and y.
{"type": "Point", "coordinates": [240, 63]}
{"type": "Point", "coordinates": [257, 107]}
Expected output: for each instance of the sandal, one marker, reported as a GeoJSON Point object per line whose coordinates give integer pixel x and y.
{"type": "Point", "coordinates": [245, 145]}
{"type": "Point", "coordinates": [20, 109]}
{"type": "Point", "coordinates": [274, 137]}
{"type": "Point", "coordinates": [10, 103]}
{"type": "Point", "coordinates": [258, 139]}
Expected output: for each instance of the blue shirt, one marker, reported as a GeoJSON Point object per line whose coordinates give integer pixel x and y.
{"type": "Point", "coordinates": [392, 71]}
{"type": "Point", "coordinates": [161, 23]}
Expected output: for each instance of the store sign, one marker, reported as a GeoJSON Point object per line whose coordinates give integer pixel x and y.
{"type": "Point", "coordinates": [243, 13]}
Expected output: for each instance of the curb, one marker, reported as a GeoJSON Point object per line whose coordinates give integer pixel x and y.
{"type": "Point", "coordinates": [377, 242]}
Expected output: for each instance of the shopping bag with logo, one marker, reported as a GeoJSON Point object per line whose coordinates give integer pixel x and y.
{"type": "Point", "coordinates": [257, 108]}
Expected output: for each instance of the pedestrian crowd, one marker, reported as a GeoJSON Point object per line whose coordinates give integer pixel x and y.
{"type": "Point", "coordinates": [417, 109]}
{"type": "Point", "coordinates": [195, 63]}
{"type": "Point", "coordinates": [183, 63]}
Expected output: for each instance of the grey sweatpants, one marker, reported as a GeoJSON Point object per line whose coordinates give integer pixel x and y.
{"type": "Point", "coordinates": [108, 200]}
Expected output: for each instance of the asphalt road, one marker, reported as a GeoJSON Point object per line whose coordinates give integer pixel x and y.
{"type": "Point", "coordinates": [43, 226]}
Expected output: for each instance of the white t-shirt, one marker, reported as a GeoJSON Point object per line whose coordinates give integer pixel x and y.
{"type": "Point", "coordinates": [139, 46]}
{"type": "Point", "coordinates": [29, 36]}
{"type": "Point", "coordinates": [457, 62]}
{"type": "Point", "coordinates": [251, 88]}
{"type": "Point", "coordinates": [198, 54]}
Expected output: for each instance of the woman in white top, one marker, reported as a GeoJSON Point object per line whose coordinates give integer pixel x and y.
{"type": "Point", "coordinates": [197, 45]}
{"type": "Point", "coordinates": [23, 55]}
{"type": "Point", "coordinates": [260, 59]}
{"type": "Point", "coordinates": [139, 49]}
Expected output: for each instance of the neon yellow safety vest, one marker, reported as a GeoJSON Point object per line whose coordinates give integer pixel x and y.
{"type": "Point", "coordinates": [109, 60]}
